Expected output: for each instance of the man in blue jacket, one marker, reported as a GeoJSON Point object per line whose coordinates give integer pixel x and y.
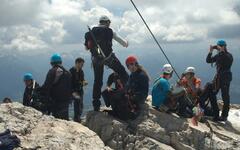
{"type": "Point", "coordinates": [161, 88]}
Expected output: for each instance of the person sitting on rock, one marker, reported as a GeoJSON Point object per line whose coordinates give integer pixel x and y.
{"type": "Point", "coordinates": [165, 98]}
{"type": "Point", "coordinates": [31, 85]}
{"type": "Point", "coordinates": [115, 79]}
{"type": "Point", "coordinates": [127, 103]}
{"type": "Point", "coordinates": [192, 84]}
{"type": "Point", "coordinates": [137, 86]}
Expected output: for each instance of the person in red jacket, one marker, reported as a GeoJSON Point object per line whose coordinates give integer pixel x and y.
{"type": "Point", "coordinates": [191, 83]}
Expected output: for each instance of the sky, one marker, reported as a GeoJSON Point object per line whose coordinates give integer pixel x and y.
{"type": "Point", "coordinates": [184, 28]}
{"type": "Point", "coordinates": [33, 26]}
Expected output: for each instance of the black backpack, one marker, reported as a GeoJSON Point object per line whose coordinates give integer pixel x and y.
{"type": "Point", "coordinates": [63, 84]}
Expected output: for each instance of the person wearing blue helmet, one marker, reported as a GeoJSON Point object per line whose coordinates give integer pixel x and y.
{"type": "Point", "coordinates": [30, 86]}
{"type": "Point", "coordinates": [223, 61]}
{"type": "Point", "coordinates": [57, 87]}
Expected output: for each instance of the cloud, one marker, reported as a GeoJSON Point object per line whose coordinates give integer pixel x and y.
{"type": "Point", "coordinates": [18, 12]}
{"type": "Point", "coordinates": [237, 9]}
{"type": "Point", "coordinates": [226, 31]}
{"type": "Point", "coordinates": [45, 24]}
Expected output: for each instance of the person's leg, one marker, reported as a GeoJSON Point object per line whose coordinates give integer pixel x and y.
{"type": "Point", "coordinates": [76, 105]}
{"type": "Point", "coordinates": [214, 105]}
{"type": "Point", "coordinates": [81, 106]}
{"type": "Point", "coordinates": [116, 66]}
{"type": "Point", "coordinates": [61, 111]}
{"type": "Point", "coordinates": [98, 69]}
{"type": "Point", "coordinates": [226, 99]}
{"type": "Point", "coordinates": [205, 95]}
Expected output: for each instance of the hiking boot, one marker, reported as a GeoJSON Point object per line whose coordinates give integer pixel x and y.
{"type": "Point", "coordinates": [222, 119]}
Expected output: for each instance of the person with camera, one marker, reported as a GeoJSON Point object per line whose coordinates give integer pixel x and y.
{"type": "Point", "coordinates": [223, 61]}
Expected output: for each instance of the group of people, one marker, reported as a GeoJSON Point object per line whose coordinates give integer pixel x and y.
{"type": "Point", "coordinates": [60, 88]}
{"type": "Point", "coordinates": [188, 94]}
{"type": "Point", "coordinates": [129, 94]}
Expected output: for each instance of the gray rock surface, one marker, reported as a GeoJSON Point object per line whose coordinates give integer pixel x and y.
{"type": "Point", "coordinates": [41, 132]}
{"type": "Point", "coordinates": [157, 130]}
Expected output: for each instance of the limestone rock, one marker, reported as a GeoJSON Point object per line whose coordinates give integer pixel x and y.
{"type": "Point", "coordinates": [158, 130]}
{"type": "Point", "coordinates": [37, 131]}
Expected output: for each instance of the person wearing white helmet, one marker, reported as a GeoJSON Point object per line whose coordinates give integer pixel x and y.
{"type": "Point", "coordinates": [161, 88]}
{"type": "Point", "coordinates": [191, 83]}
{"type": "Point", "coordinates": [100, 37]}
{"type": "Point", "coordinates": [165, 98]}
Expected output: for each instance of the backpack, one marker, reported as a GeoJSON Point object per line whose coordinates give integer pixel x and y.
{"type": "Point", "coordinates": [62, 89]}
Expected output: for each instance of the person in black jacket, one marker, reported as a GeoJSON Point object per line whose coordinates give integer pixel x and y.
{"type": "Point", "coordinates": [31, 86]}
{"type": "Point", "coordinates": [103, 35]}
{"type": "Point", "coordinates": [115, 79]}
{"type": "Point", "coordinates": [223, 61]}
{"type": "Point", "coordinates": [77, 88]}
{"type": "Point", "coordinates": [137, 85]}
{"type": "Point", "coordinates": [58, 87]}
{"type": "Point", "coordinates": [107, 94]}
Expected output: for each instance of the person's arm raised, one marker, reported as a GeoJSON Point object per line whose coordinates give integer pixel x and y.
{"type": "Point", "coordinates": [120, 40]}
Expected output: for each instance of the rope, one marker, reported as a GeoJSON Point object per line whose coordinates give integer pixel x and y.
{"type": "Point", "coordinates": [155, 39]}
{"type": "Point", "coordinates": [207, 123]}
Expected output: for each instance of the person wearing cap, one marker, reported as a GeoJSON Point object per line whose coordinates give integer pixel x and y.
{"type": "Point", "coordinates": [30, 86]}
{"type": "Point", "coordinates": [137, 86]}
{"type": "Point", "coordinates": [58, 89]}
{"type": "Point", "coordinates": [223, 61]}
{"type": "Point", "coordinates": [191, 83]}
{"type": "Point", "coordinates": [103, 35]}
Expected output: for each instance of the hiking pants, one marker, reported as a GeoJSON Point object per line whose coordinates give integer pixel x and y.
{"type": "Point", "coordinates": [60, 110]}
{"type": "Point", "coordinates": [210, 93]}
{"type": "Point", "coordinates": [78, 108]}
{"type": "Point", "coordinates": [98, 67]}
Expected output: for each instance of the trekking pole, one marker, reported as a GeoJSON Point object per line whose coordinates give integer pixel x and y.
{"type": "Point", "coordinates": [99, 50]}
{"type": "Point", "coordinates": [155, 39]}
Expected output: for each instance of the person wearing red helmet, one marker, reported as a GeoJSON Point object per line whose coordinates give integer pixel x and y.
{"type": "Point", "coordinates": [137, 85]}
{"type": "Point", "coordinates": [127, 102]}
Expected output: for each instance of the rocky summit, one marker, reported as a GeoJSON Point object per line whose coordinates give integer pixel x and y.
{"type": "Point", "coordinates": [156, 130]}
{"type": "Point", "coordinates": [152, 130]}
{"type": "Point", "coordinates": [40, 132]}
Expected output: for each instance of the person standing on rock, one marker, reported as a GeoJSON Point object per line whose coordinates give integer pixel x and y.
{"type": "Point", "coordinates": [137, 86]}
{"type": "Point", "coordinates": [223, 61]}
{"type": "Point", "coordinates": [100, 37]}
{"type": "Point", "coordinates": [58, 87]}
{"type": "Point", "coordinates": [78, 82]}
{"type": "Point", "coordinates": [30, 87]}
